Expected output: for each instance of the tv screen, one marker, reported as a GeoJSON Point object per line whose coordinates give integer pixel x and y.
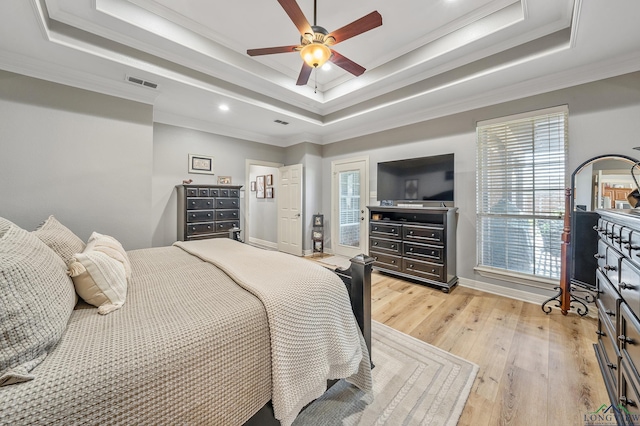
{"type": "Point", "coordinates": [416, 179]}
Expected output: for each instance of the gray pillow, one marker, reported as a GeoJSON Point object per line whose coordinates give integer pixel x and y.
{"type": "Point", "coordinates": [59, 238]}
{"type": "Point", "coordinates": [36, 301]}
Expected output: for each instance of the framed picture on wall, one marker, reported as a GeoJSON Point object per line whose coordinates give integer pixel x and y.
{"type": "Point", "coordinates": [224, 180]}
{"type": "Point", "coordinates": [269, 180]}
{"type": "Point", "coordinates": [253, 186]}
{"type": "Point", "coordinates": [318, 220]}
{"type": "Point", "coordinates": [269, 192]}
{"type": "Point", "coordinates": [200, 164]}
{"type": "Point", "coordinates": [260, 187]}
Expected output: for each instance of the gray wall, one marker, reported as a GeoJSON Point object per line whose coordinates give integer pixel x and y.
{"type": "Point", "coordinates": [603, 118]}
{"type": "Point", "coordinates": [84, 157]}
{"type": "Point", "coordinates": [171, 148]}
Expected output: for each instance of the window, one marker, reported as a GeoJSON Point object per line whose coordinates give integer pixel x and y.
{"type": "Point", "coordinates": [520, 192]}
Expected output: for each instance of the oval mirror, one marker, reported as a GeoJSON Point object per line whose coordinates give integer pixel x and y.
{"type": "Point", "coordinates": [602, 182]}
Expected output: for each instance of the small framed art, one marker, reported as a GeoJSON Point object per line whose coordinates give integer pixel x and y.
{"type": "Point", "coordinates": [318, 220]}
{"type": "Point", "coordinates": [260, 187]}
{"type": "Point", "coordinates": [224, 180]}
{"type": "Point", "coordinates": [268, 192]}
{"type": "Point", "coordinates": [269, 180]}
{"type": "Point", "coordinates": [253, 186]}
{"type": "Point", "coordinates": [200, 164]}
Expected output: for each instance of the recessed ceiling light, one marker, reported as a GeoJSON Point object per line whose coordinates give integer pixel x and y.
{"type": "Point", "coordinates": [326, 66]}
{"type": "Point", "coordinates": [224, 107]}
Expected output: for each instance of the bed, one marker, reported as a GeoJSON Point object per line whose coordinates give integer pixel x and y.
{"type": "Point", "coordinates": [197, 341]}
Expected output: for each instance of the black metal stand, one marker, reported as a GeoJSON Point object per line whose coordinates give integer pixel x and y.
{"type": "Point", "coordinates": [580, 300]}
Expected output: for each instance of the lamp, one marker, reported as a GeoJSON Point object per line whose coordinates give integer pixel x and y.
{"type": "Point", "coordinates": [315, 54]}
{"type": "Point", "coordinates": [634, 196]}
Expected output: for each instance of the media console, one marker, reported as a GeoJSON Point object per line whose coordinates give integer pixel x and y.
{"type": "Point", "coordinates": [415, 242]}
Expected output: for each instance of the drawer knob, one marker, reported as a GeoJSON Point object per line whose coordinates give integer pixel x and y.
{"type": "Point", "coordinates": [625, 339]}
{"type": "Point", "coordinates": [221, 214]}
{"type": "Point", "coordinates": [609, 267]}
{"type": "Point", "coordinates": [626, 286]}
{"type": "Point", "coordinates": [375, 228]}
{"type": "Point", "coordinates": [375, 257]}
{"type": "Point", "coordinates": [235, 214]}
{"type": "Point", "coordinates": [433, 271]}
{"type": "Point", "coordinates": [411, 249]}
{"type": "Point", "coordinates": [208, 203]}
{"type": "Point", "coordinates": [599, 256]}
{"type": "Point", "coordinates": [610, 313]}
{"type": "Point", "coordinates": [208, 226]}
{"type": "Point", "coordinates": [410, 232]}
{"type": "Point", "coordinates": [193, 203]}
{"type": "Point", "coordinates": [193, 228]}
{"type": "Point", "coordinates": [611, 366]}
{"type": "Point", "coordinates": [234, 203]}
{"type": "Point", "coordinates": [193, 216]}
{"type": "Point", "coordinates": [616, 237]}
{"type": "Point", "coordinates": [375, 243]}
{"type": "Point", "coordinates": [626, 401]}
{"type": "Point", "coordinates": [393, 246]}
{"type": "Point", "coordinates": [221, 226]}
{"type": "Point", "coordinates": [433, 253]}
{"type": "Point", "coordinates": [393, 261]}
{"type": "Point", "coordinates": [600, 333]}
{"type": "Point", "coordinates": [220, 202]}
{"type": "Point", "coordinates": [208, 214]}
{"type": "Point", "coordinates": [411, 266]}
{"type": "Point", "coordinates": [433, 235]}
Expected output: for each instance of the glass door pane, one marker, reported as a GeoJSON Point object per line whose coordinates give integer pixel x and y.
{"type": "Point", "coordinates": [349, 208]}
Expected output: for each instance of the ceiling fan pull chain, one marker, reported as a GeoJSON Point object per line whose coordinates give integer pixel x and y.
{"type": "Point", "coordinates": [315, 79]}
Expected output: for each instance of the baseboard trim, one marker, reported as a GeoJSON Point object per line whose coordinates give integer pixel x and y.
{"type": "Point", "coordinates": [263, 243]}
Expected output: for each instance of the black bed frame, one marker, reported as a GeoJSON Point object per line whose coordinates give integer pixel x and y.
{"type": "Point", "coordinates": [357, 279]}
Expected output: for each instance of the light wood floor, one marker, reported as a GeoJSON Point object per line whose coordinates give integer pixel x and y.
{"type": "Point", "coordinates": [535, 369]}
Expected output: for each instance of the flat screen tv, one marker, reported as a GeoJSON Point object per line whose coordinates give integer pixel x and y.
{"type": "Point", "coordinates": [416, 179]}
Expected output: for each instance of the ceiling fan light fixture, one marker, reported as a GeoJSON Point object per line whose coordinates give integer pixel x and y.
{"type": "Point", "coordinates": [315, 54]}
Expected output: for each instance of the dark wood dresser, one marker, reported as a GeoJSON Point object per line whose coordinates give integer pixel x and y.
{"type": "Point", "coordinates": [415, 242]}
{"type": "Point", "coordinates": [618, 302]}
{"type": "Point", "coordinates": [207, 211]}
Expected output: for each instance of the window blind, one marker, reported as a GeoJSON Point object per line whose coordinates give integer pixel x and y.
{"type": "Point", "coordinates": [520, 192]}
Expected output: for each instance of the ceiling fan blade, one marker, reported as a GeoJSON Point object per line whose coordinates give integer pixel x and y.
{"type": "Point", "coordinates": [271, 50]}
{"type": "Point", "coordinates": [364, 24]}
{"type": "Point", "coordinates": [305, 73]}
{"type": "Point", "coordinates": [346, 64]}
{"type": "Point", "coordinates": [296, 15]}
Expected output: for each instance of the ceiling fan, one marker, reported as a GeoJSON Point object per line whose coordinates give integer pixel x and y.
{"type": "Point", "coordinates": [315, 41]}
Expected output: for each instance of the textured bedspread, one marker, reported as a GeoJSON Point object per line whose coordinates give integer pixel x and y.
{"type": "Point", "coordinates": [314, 335]}
{"type": "Point", "coordinates": [188, 344]}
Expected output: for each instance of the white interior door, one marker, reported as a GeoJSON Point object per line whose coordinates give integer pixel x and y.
{"type": "Point", "coordinates": [289, 198]}
{"type": "Point", "coordinates": [349, 195]}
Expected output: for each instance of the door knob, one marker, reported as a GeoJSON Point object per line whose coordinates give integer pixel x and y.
{"type": "Point", "coordinates": [297, 214]}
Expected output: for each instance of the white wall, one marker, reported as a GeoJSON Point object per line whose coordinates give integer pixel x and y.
{"type": "Point", "coordinates": [171, 148]}
{"type": "Point", "coordinates": [603, 119]}
{"type": "Point", "coordinates": [86, 158]}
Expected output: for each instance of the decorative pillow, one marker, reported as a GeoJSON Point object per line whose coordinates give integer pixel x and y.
{"type": "Point", "coordinates": [36, 301]}
{"type": "Point", "coordinates": [99, 279]}
{"type": "Point", "coordinates": [112, 248]}
{"type": "Point", "coordinates": [59, 238]}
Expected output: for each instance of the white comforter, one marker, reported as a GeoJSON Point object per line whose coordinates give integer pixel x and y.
{"type": "Point", "coordinates": [314, 335]}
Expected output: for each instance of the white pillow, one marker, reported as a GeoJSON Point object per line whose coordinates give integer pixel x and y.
{"type": "Point", "coordinates": [99, 279]}
{"type": "Point", "coordinates": [112, 248]}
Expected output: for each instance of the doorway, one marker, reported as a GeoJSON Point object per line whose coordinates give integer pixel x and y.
{"type": "Point", "coordinates": [349, 198]}
{"type": "Point", "coordinates": [260, 218]}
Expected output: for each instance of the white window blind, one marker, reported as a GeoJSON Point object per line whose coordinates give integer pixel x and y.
{"type": "Point", "coordinates": [520, 192]}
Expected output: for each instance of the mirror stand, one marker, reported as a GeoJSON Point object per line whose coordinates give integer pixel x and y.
{"type": "Point", "coordinates": [602, 182]}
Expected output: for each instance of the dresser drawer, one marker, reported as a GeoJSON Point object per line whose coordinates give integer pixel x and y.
{"type": "Point", "coordinates": [192, 192]}
{"type": "Point", "coordinates": [385, 230]}
{"type": "Point", "coordinates": [424, 269]}
{"type": "Point", "coordinates": [634, 247]}
{"type": "Point", "coordinates": [385, 246]}
{"type": "Point", "coordinates": [601, 255]}
{"type": "Point", "coordinates": [607, 341]}
{"type": "Point", "coordinates": [424, 252]}
{"type": "Point", "coordinates": [629, 398]}
{"type": "Point", "coordinates": [200, 228]}
{"type": "Point", "coordinates": [225, 226]}
{"type": "Point", "coordinates": [424, 234]}
{"type": "Point", "coordinates": [234, 193]}
{"type": "Point", "coordinates": [386, 261]}
{"type": "Point", "coordinates": [629, 286]}
{"type": "Point", "coordinates": [629, 338]}
{"type": "Point", "coordinates": [203, 192]}
{"type": "Point", "coordinates": [612, 265]}
{"type": "Point", "coordinates": [226, 214]}
{"type": "Point", "coordinates": [609, 232]}
{"type": "Point", "coordinates": [199, 203]}
{"type": "Point", "coordinates": [200, 216]}
{"type": "Point", "coordinates": [608, 300]}
{"type": "Point", "coordinates": [226, 203]}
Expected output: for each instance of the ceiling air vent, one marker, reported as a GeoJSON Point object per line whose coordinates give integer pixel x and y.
{"type": "Point", "coordinates": [141, 82]}
{"type": "Point", "coordinates": [284, 123]}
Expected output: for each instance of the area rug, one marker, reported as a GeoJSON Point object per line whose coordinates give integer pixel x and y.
{"type": "Point", "coordinates": [414, 384]}
{"type": "Point", "coordinates": [336, 262]}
